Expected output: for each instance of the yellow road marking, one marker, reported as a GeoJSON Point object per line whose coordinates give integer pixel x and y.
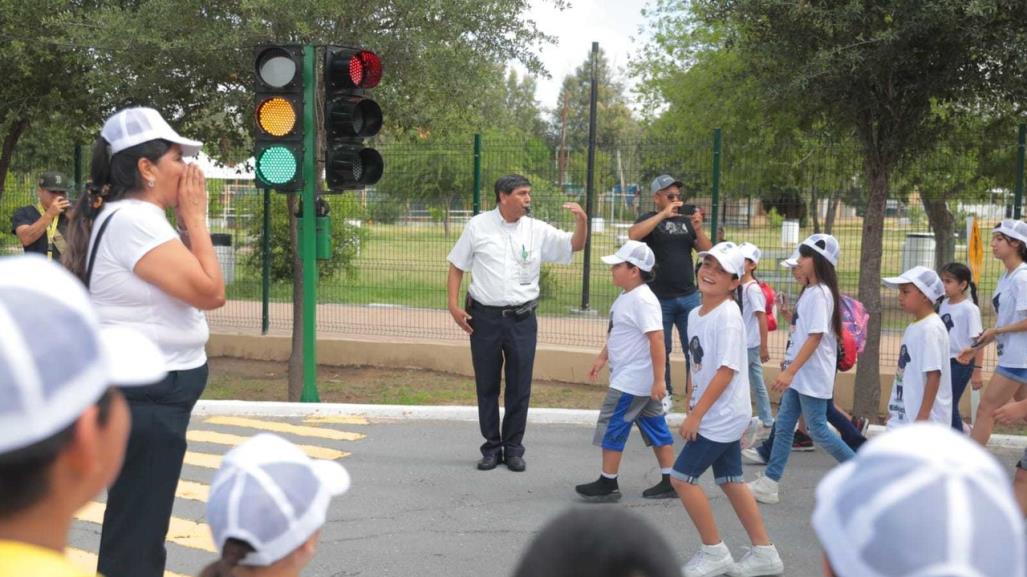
{"type": "Point", "coordinates": [232, 440]}
{"type": "Point", "coordinates": [180, 532]}
{"type": "Point", "coordinates": [205, 460]}
{"type": "Point", "coordinates": [87, 561]}
{"type": "Point", "coordinates": [335, 420]}
{"type": "Point", "coordinates": [192, 491]}
{"type": "Point", "coordinates": [289, 428]}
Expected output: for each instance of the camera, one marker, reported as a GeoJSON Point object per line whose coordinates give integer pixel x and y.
{"type": "Point", "coordinates": [687, 210]}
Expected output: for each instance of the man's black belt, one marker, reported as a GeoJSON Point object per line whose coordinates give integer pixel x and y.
{"type": "Point", "coordinates": [510, 310]}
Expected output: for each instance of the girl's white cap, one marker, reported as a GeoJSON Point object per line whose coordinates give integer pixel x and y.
{"type": "Point", "coordinates": [920, 500]}
{"type": "Point", "coordinates": [751, 251]}
{"type": "Point", "coordinates": [269, 494]}
{"type": "Point", "coordinates": [1013, 229]}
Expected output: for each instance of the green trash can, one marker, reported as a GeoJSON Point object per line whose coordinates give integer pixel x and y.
{"type": "Point", "coordinates": [322, 237]}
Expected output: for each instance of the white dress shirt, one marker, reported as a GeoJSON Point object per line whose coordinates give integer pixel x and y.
{"type": "Point", "coordinates": [505, 258]}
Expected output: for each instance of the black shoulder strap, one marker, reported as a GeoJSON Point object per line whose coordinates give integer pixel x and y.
{"type": "Point", "coordinates": [96, 244]}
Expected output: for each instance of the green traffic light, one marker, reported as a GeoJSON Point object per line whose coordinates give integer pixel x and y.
{"type": "Point", "coordinates": [276, 165]}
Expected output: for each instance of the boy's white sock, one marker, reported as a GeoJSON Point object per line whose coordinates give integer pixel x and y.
{"type": "Point", "coordinates": [666, 471]}
{"type": "Point", "coordinates": [607, 475]}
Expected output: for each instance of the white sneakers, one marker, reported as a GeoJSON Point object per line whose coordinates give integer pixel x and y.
{"type": "Point", "coordinates": [668, 403]}
{"type": "Point", "coordinates": [759, 561]}
{"type": "Point", "coordinates": [764, 489]}
{"type": "Point", "coordinates": [753, 457]}
{"type": "Point", "coordinates": [755, 433]}
{"type": "Point", "coordinates": [712, 560]}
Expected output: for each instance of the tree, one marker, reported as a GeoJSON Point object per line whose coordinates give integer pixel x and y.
{"type": "Point", "coordinates": [875, 69]}
{"type": "Point", "coordinates": [615, 122]}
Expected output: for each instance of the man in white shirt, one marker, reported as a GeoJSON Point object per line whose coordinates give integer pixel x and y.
{"type": "Point", "coordinates": [504, 250]}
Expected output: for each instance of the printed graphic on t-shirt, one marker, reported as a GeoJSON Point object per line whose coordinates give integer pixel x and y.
{"type": "Point", "coordinates": [994, 303]}
{"type": "Point", "coordinates": [696, 352]}
{"type": "Point", "coordinates": [791, 329]}
{"type": "Point", "coordinates": [947, 319]}
{"type": "Point", "coordinates": [674, 226]}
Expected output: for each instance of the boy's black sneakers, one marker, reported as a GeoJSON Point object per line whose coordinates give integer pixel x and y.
{"type": "Point", "coordinates": [602, 490]}
{"type": "Point", "coordinates": [661, 490]}
{"type": "Point", "coordinates": [801, 442]}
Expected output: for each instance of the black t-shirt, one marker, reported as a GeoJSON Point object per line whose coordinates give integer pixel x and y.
{"type": "Point", "coordinates": [28, 215]}
{"type": "Point", "coordinates": [672, 242]}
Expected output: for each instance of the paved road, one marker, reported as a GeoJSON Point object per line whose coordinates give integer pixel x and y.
{"type": "Point", "coordinates": [418, 506]}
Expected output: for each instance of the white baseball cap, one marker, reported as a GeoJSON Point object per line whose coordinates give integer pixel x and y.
{"type": "Point", "coordinates": [751, 251]}
{"type": "Point", "coordinates": [824, 244]}
{"type": "Point", "coordinates": [133, 126]}
{"type": "Point", "coordinates": [55, 359]}
{"type": "Point", "coordinates": [729, 256]}
{"type": "Point", "coordinates": [923, 278]}
{"type": "Point", "coordinates": [920, 500]}
{"type": "Point", "coordinates": [635, 252]}
{"type": "Point", "coordinates": [1013, 229]}
{"type": "Point", "coordinates": [269, 494]}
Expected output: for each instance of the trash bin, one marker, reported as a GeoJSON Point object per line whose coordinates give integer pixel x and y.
{"type": "Point", "coordinates": [789, 233]}
{"type": "Point", "coordinates": [226, 255]}
{"type": "Point", "coordinates": [918, 249]}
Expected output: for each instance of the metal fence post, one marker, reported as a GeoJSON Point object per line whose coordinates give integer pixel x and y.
{"type": "Point", "coordinates": [1021, 145]}
{"type": "Point", "coordinates": [265, 266]}
{"type": "Point", "coordinates": [590, 177]}
{"type": "Point", "coordinates": [477, 173]}
{"type": "Point", "coordinates": [716, 185]}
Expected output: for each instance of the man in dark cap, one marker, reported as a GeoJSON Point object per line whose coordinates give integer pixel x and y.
{"type": "Point", "coordinates": [41, 227]}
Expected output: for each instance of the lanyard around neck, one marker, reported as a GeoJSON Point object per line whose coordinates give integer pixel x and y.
{"type": "Point", "coordinates": [51, 230]}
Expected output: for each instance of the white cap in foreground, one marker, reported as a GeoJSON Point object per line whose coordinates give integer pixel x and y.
{"type": "Point", "coordinates": [133, 126]}
{"type": "Point", "coordinates": [634, 252]}
{"type": "Point", "coordinates": [729, 257]}
{"type": "Point", "coordinates": [923, 278]}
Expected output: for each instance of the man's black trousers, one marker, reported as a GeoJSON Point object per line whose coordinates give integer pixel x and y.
{"type": "Point", "coordinates": [503, 343]}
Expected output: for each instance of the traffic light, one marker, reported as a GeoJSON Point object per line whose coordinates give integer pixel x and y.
{"type": "Point", "coordinates": [278, 149]}
{"type": "Point", "coordinates": [350, 117]}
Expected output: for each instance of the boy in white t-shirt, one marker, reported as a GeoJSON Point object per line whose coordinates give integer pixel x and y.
{"type": "Point", "coordinates": [717, 417]}
{"type": "Point", "coordinates": [922, 390]}
{"type": "Point", "coordinates": [635, 351]}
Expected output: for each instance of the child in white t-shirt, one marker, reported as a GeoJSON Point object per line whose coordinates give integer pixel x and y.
{"type": "Point", "coordinates": [718, 415]}
{"type": "Point", "coordinates": [634, 349]}
{"type": "Point", "coordinates": [922, 390]}
{"type": "Point", "coordinates": [754, 315]}
{"type": "Point", "coordinates": [811, 358]}
{"type": "Point", "coordinates": [962, 318]}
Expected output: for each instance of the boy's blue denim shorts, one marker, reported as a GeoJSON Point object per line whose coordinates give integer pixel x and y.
{"type": "Point", "coordinates": [1018, 375]}
{"type": "Point", "coordinates": [700, 454]}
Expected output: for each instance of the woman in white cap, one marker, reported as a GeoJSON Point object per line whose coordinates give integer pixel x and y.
{"type": "Point", "coordinates": [267, 505]}
{"type": "Point", "coordinates": [143, 274]}
{"type": "Point", "coordinates": [1009, 245]}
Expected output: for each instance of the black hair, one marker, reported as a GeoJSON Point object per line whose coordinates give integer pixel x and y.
{"type": "Point", "coordinates": [234, 551]}
{"type": "Point", "coordinates": [25, 472]}
{"type": "Point", "coordinates": [590, 542]}
{"type": "Point", "coordinates": [828, 276]}
{"type": "Point", "coordinates": [112, 178]}
{"type": "Point", "coordinates": [647, 275]}
{"type": "Point", "coordinates": [962, 273]}
{"type": "Point", "coordinates": [1021, 247]}
{"type": "Point", "coordinates": [507, 184]}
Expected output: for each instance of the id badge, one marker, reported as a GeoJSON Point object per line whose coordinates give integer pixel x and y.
{"type": "Point", "coordinates": [525, 273]}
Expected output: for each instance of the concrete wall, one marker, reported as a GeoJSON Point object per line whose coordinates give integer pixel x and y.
{"type": "Point", "coordinates": [551, 362]}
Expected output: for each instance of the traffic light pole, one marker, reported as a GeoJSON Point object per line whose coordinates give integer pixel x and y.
{"type": "Point", "coordinates": [308, 240]}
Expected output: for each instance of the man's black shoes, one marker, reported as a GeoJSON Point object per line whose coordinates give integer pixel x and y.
{"type": "Point", "coordinates": [515, 464]}
{"type": "Point", "coordinates": [489, 462]}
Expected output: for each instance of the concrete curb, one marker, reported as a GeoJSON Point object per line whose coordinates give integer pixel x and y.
{"type": "Point", "coordinates": [544, 416]}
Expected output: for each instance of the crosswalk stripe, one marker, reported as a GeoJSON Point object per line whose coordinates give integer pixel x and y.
{"type": "Point", "coordinates": [289, 428]}
{"type": "Point", "coordinates": [312, 451]}
{"type": "Point", "coordinates": [192, 491]}
{"type": "Point", "coordinates": [335, 420]}
{"type": "Point", "coordinates": [87, 561]}
{"type": "Point", "coordinates": [205, 460]}
{"type": "Point", "coordinates": [180, 532]}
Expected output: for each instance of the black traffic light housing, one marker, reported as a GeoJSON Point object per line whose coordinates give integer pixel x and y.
{"type": "Point", "coordinates": [278, 111]}
{"type": "Point", "coordinates": [350, 117]}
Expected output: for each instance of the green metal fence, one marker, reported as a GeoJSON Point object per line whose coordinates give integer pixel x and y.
{"type": "Point", "coordinates": [388, 280]}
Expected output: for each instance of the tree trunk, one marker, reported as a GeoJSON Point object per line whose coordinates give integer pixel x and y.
{"type": "Point", "coordinates": [868, 380]}
{"type": "Point", "coordinates": [296, 356]}
{"type": "Point", "coordinates": [943, 225]}
{"type": "Point", "coordinates": [832, 211]}
{"type": "Point", "coordinates": [7, 149]}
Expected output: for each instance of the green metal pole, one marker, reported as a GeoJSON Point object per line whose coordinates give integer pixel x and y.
{"type": "Point", "coordinates": [716, 185]}
{"type": "Point", "coordinates": [1021, 146]}
{"type": "Point", "coordinates": [477, 173]}
{"type": "Point", "coordinates": [309, 394]}
{"type": "Point", "coordinates": [265, 266]}
{"type": "Point", "coordinates": [79, 185]}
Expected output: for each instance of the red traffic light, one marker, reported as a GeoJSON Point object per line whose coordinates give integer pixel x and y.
{"type": "Point", "coordinates": [352, 68]}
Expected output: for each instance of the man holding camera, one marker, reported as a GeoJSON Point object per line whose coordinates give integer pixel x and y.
{"type": "Point", "coordinates": [41, 227]}
{"type": "Point", "coordinates": [672, 231]}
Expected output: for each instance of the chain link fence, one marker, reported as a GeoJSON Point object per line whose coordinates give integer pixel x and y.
{"type": "Point", "coordinates": [387, 277]}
